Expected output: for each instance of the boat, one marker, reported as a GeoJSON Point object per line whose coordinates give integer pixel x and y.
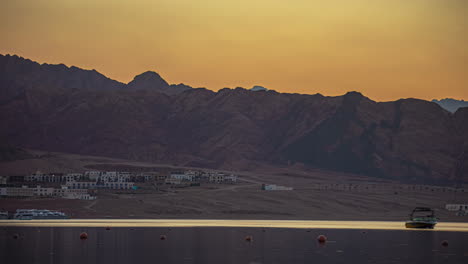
{"type": "Point", "coordinates": [3, 215]}
{"type": "Point", "coordinates": [31, 214]}
{"type": "Point", "coordinates": [422, 217]}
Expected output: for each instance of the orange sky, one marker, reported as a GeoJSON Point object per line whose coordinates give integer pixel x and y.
{"type": "Point", "coordinates": [386, 49]}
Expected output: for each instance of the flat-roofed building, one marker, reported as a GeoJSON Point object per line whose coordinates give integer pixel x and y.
{"type": "Point", "coordinates": [60, 192]}
{"type": "Point", "coordinates": [124, 176]}
{"type": "Point", "coordinates": [182, 176]}
{"type": "Point", "coordinates": [117, 185]}
{"type": "Point", "coordinates": [35, 177]}
{"type": "Point", "coordinates": [456, 207]}
{"type": "Point", "coordinates": [230, 178]}
{"type": "Point", "coordinates": [81, 194]}
{"type": "Point", "coordinates": [43, 191]}
{"type": "Point", "coordinates": [92, 175]}
{"type": "Point", "coordinates": [217, 177]}
{"type": "Point", "coordinates": [55, 177]}
{"type": "Point", "coordinates": [23, 191]}
{"type": "Point", "coordinates": [69, 177]}
{"type": "Point", "coordinates": [160, 178]}
{"type": "Point", "coordinates": [108, 176]}
{"type": "Point", "coordinates": [273, 187]}
{"type": "Point", "coordinates": [82, 185]}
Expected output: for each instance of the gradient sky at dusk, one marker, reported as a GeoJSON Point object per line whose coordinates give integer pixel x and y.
{"type": "Point", "coordinates": [386, 49]}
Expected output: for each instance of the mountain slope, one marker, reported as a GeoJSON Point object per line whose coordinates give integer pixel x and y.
{"type": "Point", "coordinates": [18, 74]}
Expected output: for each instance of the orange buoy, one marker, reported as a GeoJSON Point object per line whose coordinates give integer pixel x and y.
{"type": "Point", "coordinates": [445, 243]}
{"type": "Point", "coordinates": [163, 237]}
{"type": "Point", "coordinates": [84, 236]}
{"type": "Point", "coordinates": [322, 239]}
{"type": "Point", "coordinates": [249, 238]}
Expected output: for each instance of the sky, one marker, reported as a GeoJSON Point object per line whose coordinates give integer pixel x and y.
{"type": "Point", "coordinates": [385, 49]}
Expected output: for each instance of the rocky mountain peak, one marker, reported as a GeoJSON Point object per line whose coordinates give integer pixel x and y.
{"type": "Point", "coordinates": [148, 80]}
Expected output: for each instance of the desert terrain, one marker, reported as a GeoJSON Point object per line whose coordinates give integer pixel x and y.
{"type": "Point", "coordinates": [317, 195]}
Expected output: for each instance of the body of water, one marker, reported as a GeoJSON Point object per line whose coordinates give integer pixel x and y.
{"type": "Point", "coordinates": [117, 242]}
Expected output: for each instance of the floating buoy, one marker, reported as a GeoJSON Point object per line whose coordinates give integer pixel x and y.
{"type": "Point", "coordinates": [249, 238]}
{"type": "Point", "coordinates": [163, 237]}
{"type": "Point", "coordinates": [107, 228]}
{"type": "Point", "coordinates": [84, 236]}
{"type": "Point", "coordinates": [15, 236]}
{"type": "Point", "coordinates": [322, 239]}
{"type": "Point", "coordinates": [445, 243]}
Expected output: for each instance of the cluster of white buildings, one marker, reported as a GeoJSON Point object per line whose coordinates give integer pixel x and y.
{"type": "Point", "coordinates": [87, 180]}
{"type": "Point", "coordinates": [460, 209]}
{"type": "Point", "coordinates": [126, 180]}
{"type": "Point", "coordinates": [38, 191]}
{"type": "Point", "coordinates": [77, 185]}
{"type": "Point", "coordinates": [274, 187]}
{"type": "Point", "coordinates": [89, 176]}
{"type": "Point", "coordinates": [71, 185]}
{"type": "Point", "coordinates": [200, 176]}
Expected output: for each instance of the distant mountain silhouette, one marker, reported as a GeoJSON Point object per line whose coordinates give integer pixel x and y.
{"type": "Point", "coordinates": [451, 105]}
{"type": "Point", "coordinates": [148, 80]}
{"type": "Point", "coordinates": [56, 108]}
{"type": "Point", "coordinates": [258, 88]}
{"type": "Point", "coordinates": [20, 73]}
{"type": "Point", "coordinates": [152, 81]}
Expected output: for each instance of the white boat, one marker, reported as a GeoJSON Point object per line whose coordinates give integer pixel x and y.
{"type": "Point", "coordinates": [30, 214]}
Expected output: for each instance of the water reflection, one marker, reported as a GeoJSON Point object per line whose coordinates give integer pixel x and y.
{"type": "Point", "coordinates": [227, 245]}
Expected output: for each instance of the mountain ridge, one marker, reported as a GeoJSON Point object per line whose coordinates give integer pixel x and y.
{"type": "Point", "coordinates": [60, 75]}
{"type": "Point", "coordinates": [407, 139]}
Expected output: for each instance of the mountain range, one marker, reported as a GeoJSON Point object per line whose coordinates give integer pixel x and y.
{"type": "Point", "coordinates": [68, 109]}
{"type": "Point", "coordinates": [450, 104]}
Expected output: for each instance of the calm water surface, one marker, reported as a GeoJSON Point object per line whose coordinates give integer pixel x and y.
{"type": "Point", "coordinates": [227, 245]}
